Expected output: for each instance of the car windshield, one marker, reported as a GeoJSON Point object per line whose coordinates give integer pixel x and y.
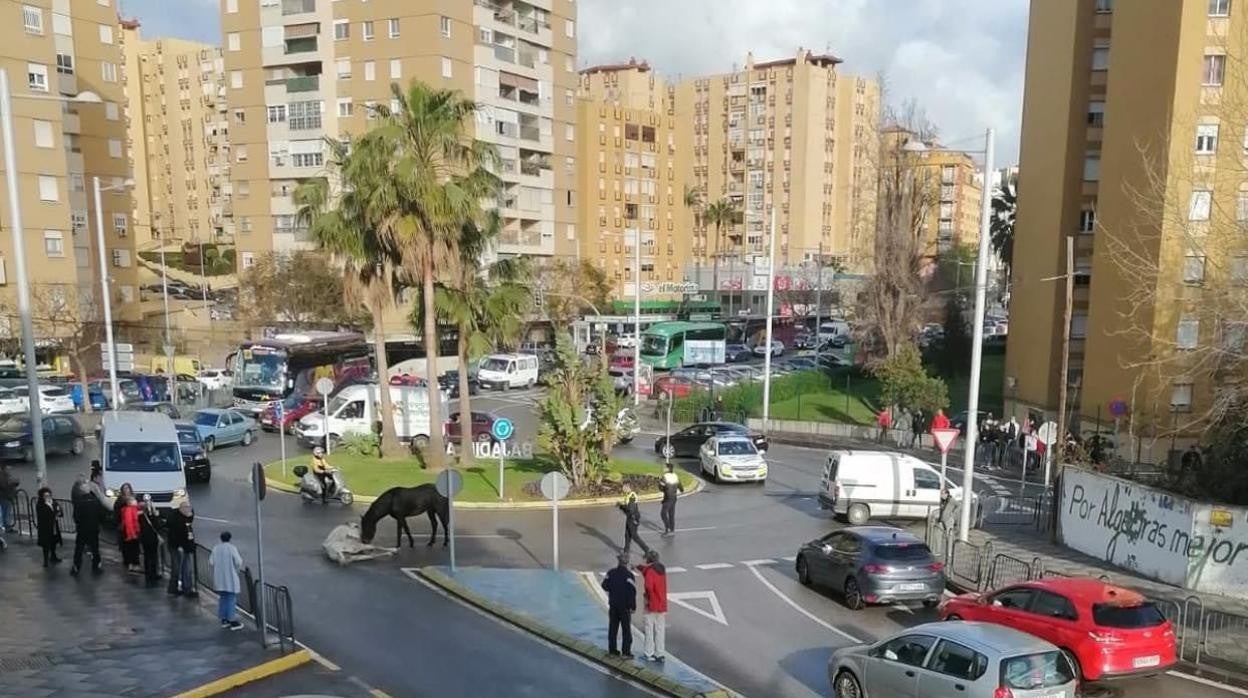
{"type": "Point", "coordinates": [18, 424]}
{"type": "Point", "coordinates": [736, 448]}
{"type": "Point", "coordinates": [494, 365]}
{"type": "Point", "coordinates": [137, 457]}
{"type": "Point", "coordinates": [188, 435]}
{"type": "Point", "coordinates": [1036, 671]}
{"type": "Point", "coordinates": [653, 345]}
{"type": "Point", "coordinates": [206, 419]}
{"type": "Point", "coordinates": [1144, 615]}
{"type": "Point", "coordinates": [262, 370]}
{"type": "Point", "coordinates": [903, 552]}
{"type": "Point", "coordinates": [53, 392]}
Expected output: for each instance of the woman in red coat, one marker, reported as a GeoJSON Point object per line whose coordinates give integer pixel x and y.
{"type": "Point", "coordinates": [127, 510]}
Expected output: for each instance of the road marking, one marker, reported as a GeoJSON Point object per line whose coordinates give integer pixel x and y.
{"type": "Point", "coordinates": [714, 566]}
{"type": "Point", "coordinates": [1208, 682]}
{"type": "Point", "coordinates": [801, 610]}
{"type": "Point", "coordinates": [699, 528]}
{"type": "Point", "coordinates": [671, 570]}
{"type": "Point", "coordinates": [683, 598]}
{"type": "Point", "coordinates": [790, 558]}
{"type": "Point", "coordinates": [752, 563]}
{"type": "Point", "coordinates": [209, 518]}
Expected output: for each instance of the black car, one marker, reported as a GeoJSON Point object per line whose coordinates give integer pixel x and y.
{"type": "Point", "coordinates": [734, 353]}
{"type": "Point", "coordinates": [60, 433]}
{"type": "Point", "coordinates": [194, 458]}
{"type": "Point", "coordinates": [687, 441]}
{"type": "Point", "coordinates": [449, 382]}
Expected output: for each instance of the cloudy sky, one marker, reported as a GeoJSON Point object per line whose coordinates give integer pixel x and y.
{"type": "Point", "coordinates": [961, 61]}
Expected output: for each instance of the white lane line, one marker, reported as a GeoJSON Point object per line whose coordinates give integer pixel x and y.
{"type": "Point", "coordinates": [699, 528]}
{"type": "Point", "coordinates": [714, 566]}
{"type": "Point", "coordinates": [673, 570]}
{"type": "Point", "coordinates": [790, 558]}
{"type": "Point", "coordinates": [1208, 682]}
{"type": "Point", "coordinates": [794, 605]}
{"type": "Point", "coordinates": [752, 563]}
{"type": "Point", "coordinates": [209, 518]}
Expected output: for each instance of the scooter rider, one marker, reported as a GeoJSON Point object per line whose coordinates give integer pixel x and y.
{"type": "Point", "coordinates": [323, 472]}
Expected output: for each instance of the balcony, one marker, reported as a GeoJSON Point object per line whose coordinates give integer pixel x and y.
{"type": "Point", "coordinates": [296, 7]}
{"type": "Point", "coordinates": [307, 44]}
{"type": "Point", "coordinates": [505, 53]}
{"type": "Point", "coordinates": [307, 83]}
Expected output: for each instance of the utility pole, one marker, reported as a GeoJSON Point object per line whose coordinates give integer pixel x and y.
{"type": "Point", "coordinates": [818, 298]}
{"type": "Point", "coordinates": [1064, 378]}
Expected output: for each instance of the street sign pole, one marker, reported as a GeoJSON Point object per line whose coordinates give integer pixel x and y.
{"type": "Point", "coordinates": [502, 468]}
{"type": "Point", "coordinates": [554, 527]}
{"type": "Point", "coordinates": [449, 483]}
{"type": "Point", "coordinates": [279, 416]}
{"type": "Point", "coordinates": [502, 429]}
{"type": "Point", "coordinates": [325, 386]}
{"type": "Point", "coordinates": [944, 439]}
{"type": "Point", "coordinates": [554, 487]}
{"type": "Point", "coordinates": [944, 466]}
{"type": "Point", "coordinates": [258, 489]}
{"type": "Point", "coordinates": [450, 525]}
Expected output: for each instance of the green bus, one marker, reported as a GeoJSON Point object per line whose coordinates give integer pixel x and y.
{"type": "Point", "coordinates": [668, 345]}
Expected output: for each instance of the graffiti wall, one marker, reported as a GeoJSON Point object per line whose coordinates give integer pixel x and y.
{"type": "Point", "coordinates": [1155, 534]}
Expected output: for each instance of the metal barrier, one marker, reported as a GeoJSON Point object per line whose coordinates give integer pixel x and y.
{"type": "Point", "coordinates": [1223, 637]}
{"type": "Point", "coordinates": [1009, 510]}
{"type": "Point", "coordinates": [966, 562]}
{"type": "Point", "coordinates": [20, 514]}
{"type": "Point", "coordinates": [279, 615]}
{"type": "Point", "coordinates": [1006, 569]}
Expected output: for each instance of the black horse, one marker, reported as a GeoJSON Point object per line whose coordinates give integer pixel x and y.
{"type": "Point", "coordinates": [402, 502]}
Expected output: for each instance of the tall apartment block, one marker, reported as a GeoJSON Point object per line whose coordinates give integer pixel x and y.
{"type": "Point", "coordinates": [955, 184]}
{"type": "Point", "coordinates": [794, 133]}
{"type": "Point", "coordinates": [1122, 99]}
{"type": "Point", "coordinates": [633, 177]}
{"type": "Point", "coordinates": [299, 71]}
{"type": "Point", "coordinates": [53, 51]}
{"type": "Point", "coordinates": [178, 133]}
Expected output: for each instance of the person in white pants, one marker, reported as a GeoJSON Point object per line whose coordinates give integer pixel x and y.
{"type": "Point", "coordinates": [654, 625]}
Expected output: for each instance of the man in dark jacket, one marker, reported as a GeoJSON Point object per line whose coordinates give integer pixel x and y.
{"type": "Point", "coordinates": [632, 521]}
{"type": "Point", "coordinates": [672, 487]}
{"type": "Point", "coordinates": [87, 515]}
{"type": "Point", "coordinates": [181, 534]}
{"type": "Point", "coordinates": [621, 602]}
{"type": "Point", "coordinates": [8, 493]}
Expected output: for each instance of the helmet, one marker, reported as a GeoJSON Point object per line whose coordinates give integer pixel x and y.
{"type": "Point", "coordinates": [318, 451]}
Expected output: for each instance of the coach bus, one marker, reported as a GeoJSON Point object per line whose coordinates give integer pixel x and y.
{"type": "Point", "coordinates": [272, 369]}
{"type": "Point", "coordinates": [668, 345]}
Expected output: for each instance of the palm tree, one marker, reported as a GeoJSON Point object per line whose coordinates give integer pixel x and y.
{"type": "Point", "coordinates": [720, 214]}
{"type": "Point", "coordinates": [429, 178]}
{"type": "Point", "coordinates": [1001, 228]}
{"type": "Point", "coordinates": [487, 306]}
{"type": "Point", "coordinates": [342, 227]}
{"type": "Point", "coordinates": [693, 202]}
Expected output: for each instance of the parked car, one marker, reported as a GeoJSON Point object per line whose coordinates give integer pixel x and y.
{"type": "Point", "coordinates": [732, 458]}
{"type": "Point", "coordinates": [674, 386]}
{"type": "Point", "coordinates": [95, 394]}
{"type": "Point", "coordinates": [218, 427]}
{"type": "Point", "coordinates": [861, 485]}
{"type": "Point", "coordinates": [166, 408]}
{"type": "Point", "coordinates": [10, 403]}
{"type": "Point", "coordinates": [53, 399]}
{"type": "Point", "coordinates": [215, 378]}
{"type": "Point", "coordinates": [449, 383]}
{"type": "Point", "coordinates": [194, 458]}
{"type": "Point", "coordinates": [293, 409]}
{"type": "Point", "coordinates": [626, 340]}
{"type": "Point", "coordinates": [735, 353]}
{"type": "Point", "coordinates": [622, 359]}
{"type": "Point", "coordinates": [482, 427]}
{"type": "Point", "coordinates": [873, 564]}
{"type": "Point", "coordinates": [1108, 631]}
{"type": "Point", "coordinates": [688, 441]}
{"type": "Point", "coordinates": [61, 433]}
{"type": "Point", "coordinates": [943, 660]}
{"type": "Point", "coordinates": [621, 380]}
{"type": "Point", "coordinates": [831, 361]}
{"type": "Point", "coordinates": [777, 349]}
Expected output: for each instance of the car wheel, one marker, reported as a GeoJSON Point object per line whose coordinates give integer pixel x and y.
{"type": "Point", "coordinates": [953, 616]}
{"type": "Point", "coordinates": [846, 686]}
{"type": "Point", "coordinates": [78, 446]}
{"type": "Point", "coordinates": [803, 571]}
{"type": "Point", "coordinates": [507, 386]}
{"type": "Point", "coordinates": [669, 451]}
{"type": "Point", "coordinates": [483, 438]}
{"type": "Point", "coordinates": [930, 603]}
{"type": "Point", "coordinates": [1074, 664]}
{"type": "Point", "coordinates": [209, 444]}
{"type": "Point", "coordinates": [247, 438]}
{"type": "Point", "coordinates": [206, 477]}
{"type": "Point", "coordinates": [853, 595]}
{"type": "Point", "coordinates": [858, 514]}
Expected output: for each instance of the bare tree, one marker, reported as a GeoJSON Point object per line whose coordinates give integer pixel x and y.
{"type": "Point", "coordinates": [73, 321]}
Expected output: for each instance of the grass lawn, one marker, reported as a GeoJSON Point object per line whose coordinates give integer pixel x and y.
{"type": "Point", "coordinates": [991, 385]}
{"type": "Point", "coordinates": [839, 401]}
{"type": "Point", "coordinates": [370, 476]}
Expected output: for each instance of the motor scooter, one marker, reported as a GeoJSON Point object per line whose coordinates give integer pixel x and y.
{"type": "Point", "coordinates": [310, 486]}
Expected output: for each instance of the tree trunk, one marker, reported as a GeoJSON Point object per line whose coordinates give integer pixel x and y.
{"type": "Point", "coordinates": [466, 437]}
{"type": "Point", "coordinates": [390, 445]}
{"type": "Point", "coordinates": [437, 448]}
{"type": "Point", "coordinates": [81, 369]}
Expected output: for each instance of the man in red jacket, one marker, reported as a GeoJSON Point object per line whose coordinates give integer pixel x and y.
{"type": "Point", "coordinates": [655, 622]}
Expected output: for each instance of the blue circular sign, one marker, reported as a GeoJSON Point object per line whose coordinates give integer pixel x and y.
{"type": "Point", "coordinates": [503, 429]}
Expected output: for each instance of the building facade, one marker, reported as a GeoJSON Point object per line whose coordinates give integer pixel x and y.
{"type": "Point", "coordinates": [53, 51]}
{"type": "Point", "coordinates": [298, 71]}
{"type": "Point", "coordinates": [1131, 144]}
{"type": "Point", "coordinates": [632, 180]}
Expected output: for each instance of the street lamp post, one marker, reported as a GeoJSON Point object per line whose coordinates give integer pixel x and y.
{"type": "Point", "coordinates": [636, 317]}
{"type": "Point", "coordinates": [771, 300]}
{"type": "Point", "coordinates": [105, 295]}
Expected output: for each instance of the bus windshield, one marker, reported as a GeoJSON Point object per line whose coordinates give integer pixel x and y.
{"type": "Point", "coordinates": [261, 371]}
{"type": "Point", "coordinates": [653, 345]}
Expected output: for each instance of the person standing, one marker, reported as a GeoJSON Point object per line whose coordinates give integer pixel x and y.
{"type": "Point", "coordinates": [149, 537]}
{"type": "Point", "coordinates": [939, 420]}
{"type": "Point", "coordinates": [632, 520]}
{"type": "Point", "coordinates": [182, 550]}
{"type": "Point", "coordinates": [654, 581]}
{"type": "Point", "coordinates": [884, 420]}
{"type": "Point", "coordinates": [127, 511]}
{"type": "Point", "coordinates": [87, 514]}
{"type": "Point", "coordinates": [621, 602]}
{"type": "Point", "coordinates": [672, 487]}
{"type": "Point", "coordinates": [47, 519]}
{"type": "Point", "coordinates": [8, 493]}
{"type": "Point", "coordinates": [916, 428]}
{"type": "Point", "coordinates": [226, 563]}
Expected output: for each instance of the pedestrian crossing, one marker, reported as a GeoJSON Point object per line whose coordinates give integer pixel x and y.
{"type": "Point", "coordinates": [742, 564]}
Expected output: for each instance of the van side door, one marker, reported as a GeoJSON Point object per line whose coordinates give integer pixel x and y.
{"type": "Point", "coordinates": [926, 491]}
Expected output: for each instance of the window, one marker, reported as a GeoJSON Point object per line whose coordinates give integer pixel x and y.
{"type": "Point", "coordinates": [1233, 336]}
{"type": "Point", "coordinates": [1193, 269]}
{"type": "Point", "coordinates": [1079, 324]}
{"type": "Point", "coordinates": [32, 19]}
{"type": "Point", "coordinates": [1100, 58]}
{"type": "Point", "coordinates": [111, 111]}
{"type": "Point", "coordinates": [569, 132]}
{"type": "Point", "coordinates": [1096, 114]}
{"type": "Point", "coordinates": [308, 159]}
{"type": "Point", "coordinates": [77, 221]}
{"type": "Point", "coordinates": [907, 649]}
{"type": "Point", "coordinates": [106, 33]}
{"type": "Point", "coordinates": [304, 115]}
{"type": "Point", "coordinates": [1201, 202]}
{"type": "Point", "coordinates": [249, 259]}
{"type": "Point", "coordinates": [1219, 8]}
{"type": "Point", "coordinates": [114, 147]}
{"type": "Point", "coordinates": [121, 258]}
{"type": "Point", "coordinates": [367, 27]}
{"type": "Point", "coordinates": [396, 68]}
{"type": "Point", "coordinates": [342, 29]}
{"type": "Point", "coordinates": [77, 182]}
{"type": "Point", "coordinates": [43, 134]}
{"type": "Point", "coordinates": [957, 661]}
{"type": "Point", "coordinates": [392, 28]}
{"type": "Point", "coordinates": [64, 64]}
{"type": "Point", "coordinates": [48, 190]}
{"type": "Point", "coordinates": [1241, 208]}
{"type": "Point", "coordinates": [446, 67]}
{"type": "Point", "coordinates": [1214, 70]}
{"type": "Point", "coordinates": [1181, 397]}
{"type": "Point", "coordinates": [1087, 221]}
{"type": "Point", "coordinates": [569, 28]}
{"type": "Point", "coordinates": [1092, 168]}
{"type": "Point", "coordinates": [444, 24]}
{"type": "Point", "coordinates": [231, 6]}
{"type": "Point", "coordinates": [569, 98]}
{"type": "Point", "coordinates": [926, 479]}
{"type": "Point", "coordinates": [54, 243]}
{"type": "Point", "coordinates": [108, 72]}
{"type": "Point", "coordinates": [120, 225]}
{"type": "Point", "coordinates": [61, 24]}
{"type": "Point", "coordinates": [344, 106]}
{"type": "Point", "coordinates": [1104, 6]}
{"type": "Point", "coordinates": [236, 79]}
{"type": "Point", "coordinates": [240, 153]}
{"type": "Point", "coordinates": [343, 66]}
{"type": "Point", "coordinates": [1187, 333]}
{"type": "Point", "coordinates": [233, 41]}
{"type": "Point", "coordinates": [370, 70]}
{"type": "Point", "coordinates": [37, 76]}
{"type": "Point", "coordinates": [1206, 138]}
{"type": "Point", "coordinates": [277, 113]}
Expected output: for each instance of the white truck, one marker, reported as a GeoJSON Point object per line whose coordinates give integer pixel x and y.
{"type": "Point", "coordinates": [353, 410]}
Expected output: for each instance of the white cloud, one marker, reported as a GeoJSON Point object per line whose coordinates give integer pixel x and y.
{"type": "Point", "coordinates": [962, 62]}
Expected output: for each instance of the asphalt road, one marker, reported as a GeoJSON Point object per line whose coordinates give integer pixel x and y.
{"type": "Point", "coordinates": [738, 613]}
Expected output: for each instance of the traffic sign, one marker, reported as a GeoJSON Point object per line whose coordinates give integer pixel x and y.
{"type": "Point", "coordinates": [502, 429]}
{"type": "Point", "coordinates": [555, 486]}
{"type": "Point", "coordinates": [450, 482]}
{"type": "Point", "coordinates": [1047, 433]}
{"type": "Point", "coordinates": [279, 411]}
{"type": "Point", "coordinates": [944, 438]}
{"type": "Point", "coordinates": [324, 386]}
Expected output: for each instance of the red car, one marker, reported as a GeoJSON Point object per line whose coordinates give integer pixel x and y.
{"type": "Point", "coordinates": [622, 359]}
{"type": "Point", "coordinates": [295, 408]}
{"type": "Point", "coordinates": [1107, 630]}
{"type": "Point", "coordinates": [675, 386]}
{"type": "Point", "coordinates": [482, 428]}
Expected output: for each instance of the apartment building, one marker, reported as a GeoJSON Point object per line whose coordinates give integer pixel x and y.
{"type": "Point", "coordinates": [1132, 143]}
{"type": "Point", "coordinates": [954, 220]}
{"type": "Point", "coordinates": [178, 131]}
{"type": "Point", "coordinates": [298, 71]}
{"type": "Point", "coordinates": [794, 133]}
{"type": "Point", "coordinates": [632, 179]}
{"type": "Point", "coordinates": [56, 50]}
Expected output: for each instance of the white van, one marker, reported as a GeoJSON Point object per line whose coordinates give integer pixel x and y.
{"type": "Point", "coordinates": [508, 371]}
{"type": "Point", "coordinates": [831, 329]}
{"type": "Point", "coordinates": [863, 485]}
{"type": "Point", "coordinates": [353, 410]}
{"type": "Point", "coordinates": [141, 448]}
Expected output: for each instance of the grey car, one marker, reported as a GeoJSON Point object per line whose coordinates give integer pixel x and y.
{"type": "Point", "coordinates": [873, 564]}
{"type": "Point", "coordinates": [953, 660]}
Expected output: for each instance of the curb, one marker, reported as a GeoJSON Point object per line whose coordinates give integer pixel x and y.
{"type": "Point", "coordinates": [246, 676]}
{"type": "Point", "coordinates": [581, 647]}
{"type": "Point", "coordinates": [698, 485]}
